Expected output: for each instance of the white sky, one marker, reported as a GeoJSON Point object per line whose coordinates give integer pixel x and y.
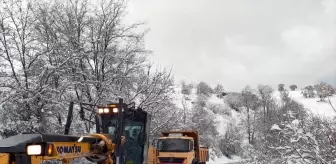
{"type": "Point", "coordinates": [240, 42]}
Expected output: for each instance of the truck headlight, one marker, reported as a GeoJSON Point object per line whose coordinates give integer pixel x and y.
{"type": "Point", "coordinates": [34, 149]}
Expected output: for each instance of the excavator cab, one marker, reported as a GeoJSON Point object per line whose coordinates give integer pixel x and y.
{"type": "Point", "coordinates": [118, 120]}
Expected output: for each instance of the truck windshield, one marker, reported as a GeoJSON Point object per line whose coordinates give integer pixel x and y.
{"type": "Point", "coordinates": [173, 145]}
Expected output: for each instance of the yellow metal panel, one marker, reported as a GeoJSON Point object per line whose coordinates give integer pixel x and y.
{"type": "Point", "coordinates": [36, 159]}
{"type": "Point", "coordinates": [69, 150]}
{"type": "Point", "coordinates": [4, 158]}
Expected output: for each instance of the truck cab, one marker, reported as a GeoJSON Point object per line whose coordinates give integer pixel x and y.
{"type": "Point", "coordinates": [181, 147]}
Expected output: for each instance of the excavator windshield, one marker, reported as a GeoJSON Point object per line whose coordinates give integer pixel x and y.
{"type": "Point", "coordinates": [134, 144]}
{"type": "Point", "coordinates": [135, 130]}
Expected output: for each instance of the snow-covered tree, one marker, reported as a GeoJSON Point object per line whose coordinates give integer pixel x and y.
{"type": "Point", "coordinates": [230, 143]}
{"type": "Point", "coordinates": [234, 100]}
{"type": "Point", "coordinates": [324, 90]}
{"type": "Point", "coordinates": [186, 88]}
{"type": "Point", "coordinates": [31, 96]}
{"type": "Point", "coordinates": [251, 102]}
{"type": "Point", "coordinates": [308, 92]}
{"type": "Point", "coordinates": [306, 140]}
{"type": "Point", "coordinates": [204, 89]}
{"type": "Point", "coordinates": [265, 94]}
{"type": "Point", "coordinates": [219, 91]}
{"type": "Point", "coordinates": [281, 87]}
{"type": "Point", "coordinates": [293, 87]}
{"type": "Point", "coordinates": [54, 53]}
{"type": "Point", "coordinates": [206, 124]}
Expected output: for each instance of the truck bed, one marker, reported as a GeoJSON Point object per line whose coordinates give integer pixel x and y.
{"type": "Point", "coordinates": [204, 154]}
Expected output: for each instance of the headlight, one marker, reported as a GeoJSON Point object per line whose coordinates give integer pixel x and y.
{"type": "Point", "coordinates": [106, 110]}
{"type": "Point", "coordinates": [41, 149]}
{"type": "Point", "coordinates": [115, 110]}
{"type": "Point", "coordinates": [34, 150]}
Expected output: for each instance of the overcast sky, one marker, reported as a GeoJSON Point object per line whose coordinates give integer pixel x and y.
{"type": "Point", "coordinates": [240, 42]}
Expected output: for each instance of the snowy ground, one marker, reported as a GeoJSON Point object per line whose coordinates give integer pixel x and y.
{"type": "Point", "coordinates": [225, 160]}
{"type": "Point", "coordinates": [323, 109]}
{"type": "Point", "coordinates": [320, 108]}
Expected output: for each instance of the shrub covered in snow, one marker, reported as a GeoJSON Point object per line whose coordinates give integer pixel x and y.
{"type": "Point", "coordinates": [323, 90]}
{"type": "Point", "coordinates": [281, 87]}
{"type": "Point", "coordinates": [308, 92]}
{"type": "Point", "coordinates": [230, 144]}
{"type": "Point", "coordinates": [204, 89]}
{"type": "Point", "coordinates": [234, 100]}
{"type": "Point", "coordinates": [186, 88]}
{"type": "Point", "coordinates": [293, 87]}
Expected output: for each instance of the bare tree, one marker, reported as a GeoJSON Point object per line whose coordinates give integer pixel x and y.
{"type": "Point", "coordinates": [265, 93]}
{"type": "Point", "coordinates": [250, 102]}
{"type": "Point", "coordinates": [332, 106]}
{"type": "Point", "coordinates": [184, 105]}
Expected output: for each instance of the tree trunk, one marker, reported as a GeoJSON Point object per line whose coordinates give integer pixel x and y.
{"type": "Point", "coordinates": [248, 125]}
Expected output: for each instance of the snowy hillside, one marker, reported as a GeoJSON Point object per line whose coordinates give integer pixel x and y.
{"type": "Point", "coordinates": [186, 102]}
{"type": "Point", "coordinates": [312, 104]}
{"type": "Point", "coordinates": [224, 116]}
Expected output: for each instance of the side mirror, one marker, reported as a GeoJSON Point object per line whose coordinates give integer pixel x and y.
{"type": "Point", "coordinates": [191, 145]}
{"type": "Point", "coordinates": [154, 143]}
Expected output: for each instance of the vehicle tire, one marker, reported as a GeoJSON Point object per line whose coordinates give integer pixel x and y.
{"type": "Point", "coordinates": [194, 161]}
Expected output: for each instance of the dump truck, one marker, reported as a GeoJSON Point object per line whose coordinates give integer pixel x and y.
{"type": "Point", "coordinates": [181, 147]}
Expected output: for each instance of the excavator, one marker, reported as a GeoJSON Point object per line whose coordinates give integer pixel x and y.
{"type": "Point", "coordinates": [122, 137]}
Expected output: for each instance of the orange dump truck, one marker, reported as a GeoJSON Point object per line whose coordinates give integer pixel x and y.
{"type": "Point", "coordinates": [179, 147]}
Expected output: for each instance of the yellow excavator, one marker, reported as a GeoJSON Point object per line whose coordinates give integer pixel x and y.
{"type": "Point", "coordinates": [122, 137]}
